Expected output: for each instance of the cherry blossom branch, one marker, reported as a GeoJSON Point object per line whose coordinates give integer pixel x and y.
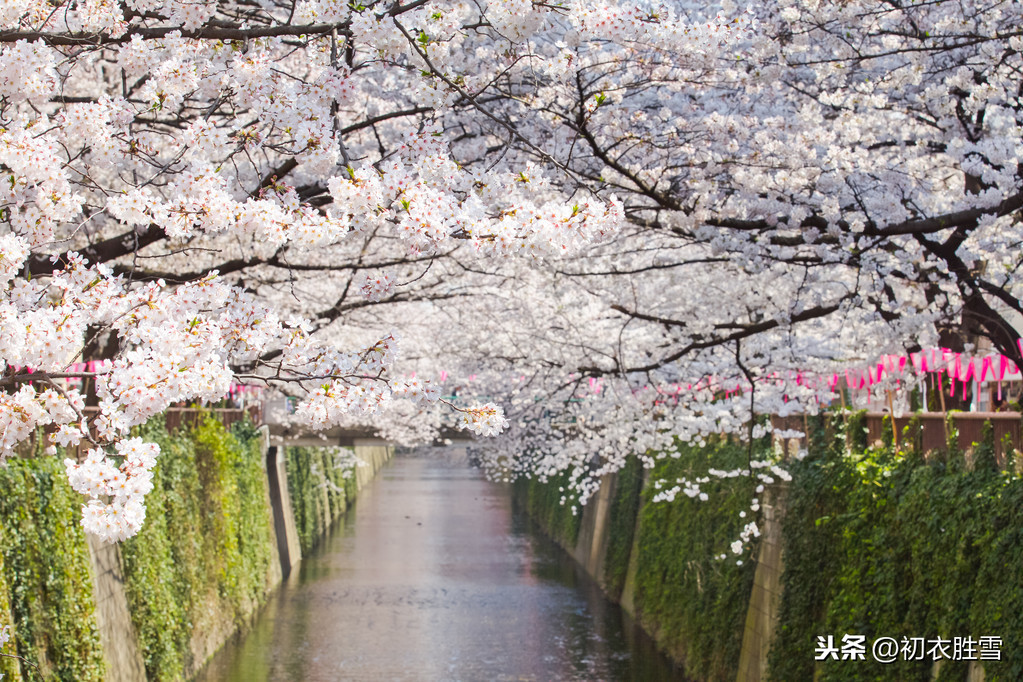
{"type": "Point", "coordinates": [226, 33]}
{"type": "Point", "coordinates": [21, 659]}
{"type": "Point", "coordinates": [968, 219]}
{"type": "Point", "coordinates": [752, 402]}
{"type": "Point", "coordinates": [26, 377]}
{"type": "Point", "coordinates": [744, 331]}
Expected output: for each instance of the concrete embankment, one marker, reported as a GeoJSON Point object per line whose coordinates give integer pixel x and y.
{"type": "Point", "coordinates": [867, 542]}
{"type": "Point", "coordinates": [652, 559]}
{"type": "Point", "coordinates": [220, 533]}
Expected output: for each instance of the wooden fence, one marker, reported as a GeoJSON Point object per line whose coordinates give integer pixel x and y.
{"type": "Point", "coordinates": [968, 424]}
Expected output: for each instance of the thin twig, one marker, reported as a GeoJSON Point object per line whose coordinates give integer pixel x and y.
{"type": "Point", "coordinates": [23, 660]}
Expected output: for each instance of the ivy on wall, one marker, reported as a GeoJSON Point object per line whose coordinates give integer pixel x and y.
{"type": "Point", "coordinates": [203, 563]}
{"type": "Point", "coordinates": [694, 602]}
{"type": "Point", "coordinates": [158, 563]}
{"type": "Point", "coordinates": [10, 668]}
{"type": "Point", "coordinates": [879, 543]}
{"type": "Point", "coordinates": [204, 556]}
{"type": "Point", "coordinates": [204, 560]}
{"type": "Point", "coordinates": [625, 503]}
{"type": "Point", "coordinates": [319, 492]}
{"type": "Point", "coordinates": [45, 584]}
{"type": "Point", "coordinates": [546, 503]}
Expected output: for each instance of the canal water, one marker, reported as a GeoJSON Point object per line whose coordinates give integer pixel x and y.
{"type": "Point", "coordinates": [433, 575]}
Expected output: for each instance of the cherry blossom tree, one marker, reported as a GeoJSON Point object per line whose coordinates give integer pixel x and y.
{"type": "Point", "coordinates": [209, 192]}
{"type": "Point", "coordinates": [841, 185]}
{"type": "Point", "coordinates": [861, 164]}
{"type": "Point", "coordinates": [622, 224]}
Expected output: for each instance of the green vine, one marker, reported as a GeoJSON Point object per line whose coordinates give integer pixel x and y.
{"type": "Point", "coordinates": [46, 575]}
{"type": "Point", "coordinates": [693, 601]}
{"type": "Point", "coordinates": [899, 545]}
{"type": "Point", "coordinates": [10, 668]}
{"type": "Point", "coordinates": [203, 563]}
{"type": "Point", "coordinates": [204, 560]}
{"type": "Point", "coordinates": [319, 492]}
{"type": "Point", "coordinates": [625, 505]}
{"type": "Point", "coordinates": [551, 505]}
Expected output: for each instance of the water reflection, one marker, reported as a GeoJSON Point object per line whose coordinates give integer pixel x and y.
{"type": "Point", "coordinates": [432, 576]}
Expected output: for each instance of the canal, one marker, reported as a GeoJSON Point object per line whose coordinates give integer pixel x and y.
{"type": "Point", "coordinates": [433, 575]}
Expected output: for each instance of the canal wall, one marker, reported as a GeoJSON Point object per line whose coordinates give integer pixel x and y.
{"type": "Point", "coordinates": [656, 559]}
{"type": "Point", "coordinates": [319, 487]}
{"type": "Point", "coordinates": [865, 540]}
{"type": "Point", "coordinates": [157, 606]}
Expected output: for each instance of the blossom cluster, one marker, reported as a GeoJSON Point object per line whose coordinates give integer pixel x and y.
{"type": "Point", "coordinates": [116, 509]}
{"type": "Point", "coordinates": [485, 419]}
{"type": "Point", "coordinates": [416, 390]}
{"type": "Point", "coordinates": [176, 344]}
{"type": "Point", "coordinates": [377, 287]}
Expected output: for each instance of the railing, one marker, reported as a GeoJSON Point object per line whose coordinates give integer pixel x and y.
{"type": "Point", "coordinates": [178, 417]}
{"type": "Point", "coordinates": [968, 424]}
{"type": "Point", "coordinates": [932, 428]}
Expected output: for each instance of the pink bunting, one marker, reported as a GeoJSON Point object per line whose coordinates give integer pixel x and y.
{"type": "Point", "coordinates": [985, 365]}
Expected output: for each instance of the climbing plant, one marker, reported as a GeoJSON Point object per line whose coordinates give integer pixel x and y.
{"type": "Point", "coordinates": [46, 575]}
{"type": "Point", "coordinates": [886, 543]}
{"type": "Point", "coordinates": [204, 560]}
{"type": "Point", "coordinates": [622, 526]}
{"type": "Point", "coordinates": [321, 484]}
{"type": "Point", "coordinates": [10, 668]}
{"type": "Point", "coordinates": [692, 592]}
{"type": "Point", "coordinates": [549, 503]}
